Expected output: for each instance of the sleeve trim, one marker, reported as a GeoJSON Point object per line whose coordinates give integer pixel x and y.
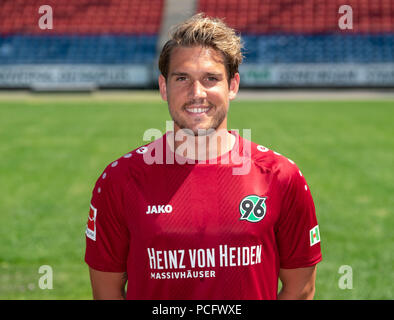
{"type": "Point", "coordinates": [302, 264]}
{"type": "Point", "coordinates": [104, 268]}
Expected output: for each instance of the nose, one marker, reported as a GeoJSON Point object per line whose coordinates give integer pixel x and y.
{"type": "Point", "coordinates": [197, 90]}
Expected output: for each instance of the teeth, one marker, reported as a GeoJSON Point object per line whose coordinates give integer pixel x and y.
{"type": "Point", "coordinates": [197, 110]}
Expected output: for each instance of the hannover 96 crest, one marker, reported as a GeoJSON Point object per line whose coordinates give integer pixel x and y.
{"type": "Point", "coordinates": [252, 208]}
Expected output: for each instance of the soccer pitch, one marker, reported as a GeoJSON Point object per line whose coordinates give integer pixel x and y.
{"type": "Point", "coordinates": [53, 150]}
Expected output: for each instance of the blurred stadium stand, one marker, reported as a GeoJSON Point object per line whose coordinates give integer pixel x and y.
{"type": "Point", "coordinates": [114, 43]}
{"type": "Point", "coordinates": [74, 49]}
{"type": "Point", "coordinates": [93, 43]}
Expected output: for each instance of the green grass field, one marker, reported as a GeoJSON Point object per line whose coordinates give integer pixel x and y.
{"type": "Point", "coordinates": [52, 151]}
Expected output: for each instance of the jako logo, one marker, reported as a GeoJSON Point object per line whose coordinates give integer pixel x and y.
{"type": "Point", "coordinates": [159, 209]}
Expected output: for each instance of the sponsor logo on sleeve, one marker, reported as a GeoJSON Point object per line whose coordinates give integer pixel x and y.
{"type": "Point", "coordinates": [91, 225]}
{"type": "Point", "coordinates": [314, 235]}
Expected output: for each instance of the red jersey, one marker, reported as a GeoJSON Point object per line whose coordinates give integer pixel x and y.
{"type": "Point", "coordinates": [202, 230]}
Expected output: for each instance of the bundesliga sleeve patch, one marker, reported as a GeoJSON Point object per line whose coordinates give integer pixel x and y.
{"type": "Point", "coordinates": [91, 225]}
{"type": "Point", "coordinates": [314, 235]}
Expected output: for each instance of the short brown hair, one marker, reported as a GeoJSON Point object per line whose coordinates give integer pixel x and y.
{"type": "Point", "coordinates": [206, 32]}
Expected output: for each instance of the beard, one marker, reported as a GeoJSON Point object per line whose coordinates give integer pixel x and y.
{"type": "Point", "coordinates": [194, 128]}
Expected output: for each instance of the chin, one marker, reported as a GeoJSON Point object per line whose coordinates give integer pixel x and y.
{"type": "Point", "coordinates": [203, 130]}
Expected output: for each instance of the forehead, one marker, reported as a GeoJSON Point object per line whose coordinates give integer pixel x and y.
{"type": "Point", "coordinates": [196, 58]}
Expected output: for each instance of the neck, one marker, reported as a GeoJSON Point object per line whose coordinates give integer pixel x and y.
{"type": "Point", "coordinates": [203, 147]}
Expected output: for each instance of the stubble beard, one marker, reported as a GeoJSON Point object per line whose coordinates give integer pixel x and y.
{"type": "Point", "coordinates": [217, 119]}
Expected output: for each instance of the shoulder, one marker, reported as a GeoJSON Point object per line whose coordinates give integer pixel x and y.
{"type": "Point", "coordinates": [272, 161]}
{"type": "Point", "coordinates": [126, 167]}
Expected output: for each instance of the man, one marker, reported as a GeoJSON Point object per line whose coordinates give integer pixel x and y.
{"type": "Point", "coordinates": [191, 227]}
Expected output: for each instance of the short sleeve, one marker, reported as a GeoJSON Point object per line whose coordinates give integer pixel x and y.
{"type": "Point", "coordinates": [298, 235]}
{"type": "Point", "coordinates": [107, 236]}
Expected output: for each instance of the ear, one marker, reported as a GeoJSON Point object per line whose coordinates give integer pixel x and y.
{"type": "Point", "coordinates": [163, 87]}
{"type": "Point", "coordinates": [234, 86]}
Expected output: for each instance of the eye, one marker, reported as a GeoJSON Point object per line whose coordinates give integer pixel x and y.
{"type": "Point", "coordinates": [180, 78]}
{"type": "Point", "coordinates": [212, 78]}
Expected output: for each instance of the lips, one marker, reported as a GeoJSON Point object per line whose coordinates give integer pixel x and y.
{"type": "Point", "coordinates": [198, 110]}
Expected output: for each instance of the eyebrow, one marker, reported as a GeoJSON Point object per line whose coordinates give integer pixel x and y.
{"type": "Point", "coordinates": [214, 74]}
{"type": "Point", "coordinates": [178, 74]}
{"type": "Point", "coordinates": [186, 74]}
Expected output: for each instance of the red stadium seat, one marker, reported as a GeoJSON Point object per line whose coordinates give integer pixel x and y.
{"type": "Point", "coordinates": [301, 16]}
{"type": "Point", "coordinates": [83, 16]}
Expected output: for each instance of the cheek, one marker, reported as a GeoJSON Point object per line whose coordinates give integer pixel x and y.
{"type": "Point", "coordinates": [219, 96]}
{"type": "Point", "coordinates": [176, 95]}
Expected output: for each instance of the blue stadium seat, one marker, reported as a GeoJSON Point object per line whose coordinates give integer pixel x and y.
{"type": "Point", "coordinates": [328, 48]}
{"type": "Point", "coordinates": [121, 49]}
{"type": "Point", "coordinates": [26, 49]}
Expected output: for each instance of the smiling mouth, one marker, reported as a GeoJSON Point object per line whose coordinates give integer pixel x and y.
{"type": "Point", "coordinates": [197, 110]}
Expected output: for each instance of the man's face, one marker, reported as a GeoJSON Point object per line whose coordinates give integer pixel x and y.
{"type": "Point", "coordinates": [197, 89]}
